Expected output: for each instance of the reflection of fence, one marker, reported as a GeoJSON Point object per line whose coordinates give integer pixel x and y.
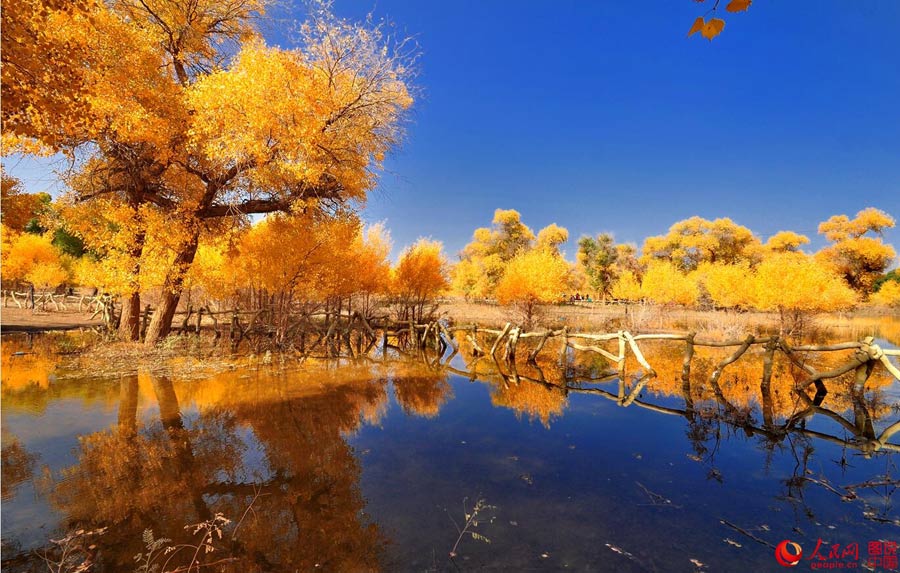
{"type": "Point", "coordinates": [860, 427]}
{"type": "Point", "coordinates": [866, 354]}
{"type": "Point", "coordinates": [705, 423]}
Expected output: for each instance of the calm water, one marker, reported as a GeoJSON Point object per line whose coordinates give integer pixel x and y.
{"type": "Point", "coordinates": [373, 466]}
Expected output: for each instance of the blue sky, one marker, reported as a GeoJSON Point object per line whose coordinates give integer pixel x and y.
{"type": "Point", "coordinates": [603, 116]}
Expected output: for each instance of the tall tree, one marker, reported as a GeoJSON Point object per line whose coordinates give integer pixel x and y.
{"type": "Point", "coordinates": [535, 277]}
{"type": "Point", "coordinates": [693, 241]}
{"type": "Point", "coordinates": [484, 260]}
{"type": "Point", "coordinates": [180, 104]}
{"type": "Point", "coordinates": [419, 278]}
{"type": "Point", "coordinates": [598, 257]}
{"type": "Point", "coordinates": [854, 254]}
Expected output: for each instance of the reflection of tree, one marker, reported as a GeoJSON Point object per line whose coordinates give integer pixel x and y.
{"type": "Point", "coordinates": [310, 500]}
{"type": "Point", "coordinates": [29, 365]}
{"type": "Point", "coordinates": [532, 399]}
{"type": "Point", "coordinates": [17, 466]}
{"type": "Point", "coordinates": [422, 391]}
{"type": "Point", "coordinates": [718, 400]}
{"type": "Point", "coordinates": [535, 390]}
{"type": "Point", "coordinates": [306, 504]}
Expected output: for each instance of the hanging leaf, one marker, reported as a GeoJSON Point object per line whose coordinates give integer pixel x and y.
{"type": "Point", "coordinates": [698, 26]}
{"type": "Point", "coordinates": [738, 5]}
{"type": "Point", "coordinates": [713, 28]}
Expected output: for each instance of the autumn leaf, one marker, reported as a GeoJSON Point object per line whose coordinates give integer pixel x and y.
{"type": "Point", "coordinates": [738, 5]}
{"type": "Point", "coordinates": [698, 25]}
{"type": "Point", "coordinates": [713, 28]}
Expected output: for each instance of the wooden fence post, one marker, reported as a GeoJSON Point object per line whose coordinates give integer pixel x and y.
{"type": "Point", "coordinates": [564, 349]}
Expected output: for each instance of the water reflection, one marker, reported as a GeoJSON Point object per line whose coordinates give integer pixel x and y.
{"type": "Point", "coordinates": [271, 449]}
{"type": "Point", "coordinates": [288, 457]}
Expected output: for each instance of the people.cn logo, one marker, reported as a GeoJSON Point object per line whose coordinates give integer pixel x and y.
{"type": "Point", "coordinates": [788, 553]}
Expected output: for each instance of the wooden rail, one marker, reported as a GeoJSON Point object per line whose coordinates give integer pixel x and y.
{"type": "Point", "coordinates": [867, 353]}
{"type": "Point", "coordinates": [357, 335]}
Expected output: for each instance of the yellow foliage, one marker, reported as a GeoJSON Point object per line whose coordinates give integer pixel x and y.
{"type": "Point", "coordinates": [536, 276]}
{"type": "Point", "coordinates": [492, 248]}
{"type": "Point", "coordinates": [841, 227]}
{"type": "Point", "coordinates": [693, 241]}
{"type": "Point", "coordinates": [729, 286]}
{"type": "Point", "coordinates": [32, 258]}
{"type": "Point", "coordinates": [627, 287]}
{"type": "Point", "coordinates": [663, 283]}
{"type": "Point", "coordinates": [372, 269]}
{"type": "Point", "coordinates": [797, 283]}
{"type": "Point", "coordinates": [420, 276]}
{"type": "Point", "coordinates": [887, 295]}
{"type": "Point", "coordinates": [47, 275]}
{"type": "Point", "coordinates": [783, 241]}
{"type": "Point", "coordinates": [298, 255]}
{"type": "Point", "coordinates": [552, 236]}
{"type": "Point", "coordinates": [182, 117]}
{"type": "Point", "coordinates": [860, 259]}
{"type": "Point", "coordinates": [469, 279]}
{"type": "Point", "coordinates": [214, 270]}
{"type": "Point", "coordinates": [18, 207]}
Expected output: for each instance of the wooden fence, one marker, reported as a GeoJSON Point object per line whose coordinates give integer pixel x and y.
{"type": "Point", "coordinates": [867, 354]}
{"type": "Point", "coordinates": [354, 334]}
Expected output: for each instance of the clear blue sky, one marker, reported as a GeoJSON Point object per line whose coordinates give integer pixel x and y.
{"type": "Point", "coordinates": [603, 116]}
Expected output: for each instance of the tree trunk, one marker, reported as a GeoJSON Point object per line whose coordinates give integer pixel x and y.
{"type": "Point", "coordinates": [130, 322]}
{"type": "Point", "coordinates": [161, 323]}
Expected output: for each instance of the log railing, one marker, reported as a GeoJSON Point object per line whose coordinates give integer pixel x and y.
{"type": "Point", "coordinates": [355, 334]}
{"type": "Point", "coordinates": [867, 353]}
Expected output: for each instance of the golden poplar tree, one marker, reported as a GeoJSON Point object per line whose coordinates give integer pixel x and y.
{"type": "Point", "coordinates": [181, 105]}
{"type": "Point", "coordinates": [855, 253]}
{"type": "Point", "coordinates": [535, 277]}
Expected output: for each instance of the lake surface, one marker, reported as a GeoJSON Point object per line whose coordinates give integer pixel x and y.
{"type": "Point", "coordinates": [349, 466]}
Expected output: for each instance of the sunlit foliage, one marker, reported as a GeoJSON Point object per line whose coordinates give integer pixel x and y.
{"type": "Point", "coordinates": [627, 287]}
{"type": "Point", "coordinates": [794, 284]}
{"type": "Point", "coordinates": [551, 237]}
{"type": "Point", "coordinates": [664, 283]}
{"type": "Point", "coordinates": [854, 254]}
{"type": "Point", "coordinates": [784, 241]}
{"type": "Point", "coordinates": [19, 207]}
{"type": "Point", "coordinates": [693, 241]}
{"type": "Point", "coordinates": [887, 295]}
{"type": "Point", "coordinates": [532, 278]}
{"type": "Point", "coordinates": [728, 286]}
{"type": "Point", "coordinates": [32, 258]}
{"type": "Point", "coordinates": [483, 260]}
{"type": "Point", "coordinates": [486, 262]}
{"type": "Point", "coordinates": [181, 105]}
{"type": "Point", "coordinates": [598, 258]}
{"type": "Point", "coordinates": [419, 277]}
